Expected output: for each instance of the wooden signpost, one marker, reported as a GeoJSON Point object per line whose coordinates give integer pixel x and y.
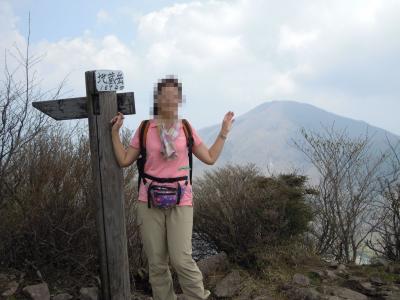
{"type": "Point", "coordinates": [99, 106]}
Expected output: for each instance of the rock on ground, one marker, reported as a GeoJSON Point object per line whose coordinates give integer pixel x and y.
{"type": "Point", "coordinates": [37, 292]}
{"type": "Point", "coordinates": [229, 285]}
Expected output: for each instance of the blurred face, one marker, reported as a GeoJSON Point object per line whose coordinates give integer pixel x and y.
{"type": "Point", "coordinates": [168, 101]}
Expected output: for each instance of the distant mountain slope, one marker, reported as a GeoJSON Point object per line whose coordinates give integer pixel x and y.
{"type": "Point", "coordinates": [264, 136]}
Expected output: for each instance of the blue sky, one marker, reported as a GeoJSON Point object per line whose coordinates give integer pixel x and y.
{"type": "Point", "coordinates": [341, 56]}
{"type": "Point", "coordinates": [55, 20]}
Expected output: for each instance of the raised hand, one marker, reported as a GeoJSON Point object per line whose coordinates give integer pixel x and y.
{"type": "Point", "coordinates": [227, 122]}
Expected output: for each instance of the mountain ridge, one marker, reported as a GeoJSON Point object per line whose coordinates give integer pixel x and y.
{"type": "Point", "coordinates": [274, 125]}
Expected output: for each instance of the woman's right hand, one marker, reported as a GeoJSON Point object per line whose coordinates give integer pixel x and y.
{"type": "Point", "coordinates": [117, 121]}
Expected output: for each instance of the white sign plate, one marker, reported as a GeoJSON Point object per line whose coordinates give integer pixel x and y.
{"type": "Point", "coordinates": [109, 80]}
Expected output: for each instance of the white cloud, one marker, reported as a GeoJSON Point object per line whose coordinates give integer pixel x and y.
{"type": "Point", "coordinates": [367, 14]}
{"type": "Point", "coordinates": [291, 39]}
{"type": "Point", "coordinates": [77, 55]}
{"type": "Point", "coordinates": [237, 54]}
{"type": "Point", "coordinates": [10, 36]}
{"type": "Point", "coordinates": [198, 34]}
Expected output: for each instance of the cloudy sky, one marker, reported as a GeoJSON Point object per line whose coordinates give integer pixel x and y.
{"type": "Point", "coordinates": [342, 56]}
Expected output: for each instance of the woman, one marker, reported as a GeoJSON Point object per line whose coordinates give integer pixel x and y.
{"type": "Point", "coordinates": [167, 233]}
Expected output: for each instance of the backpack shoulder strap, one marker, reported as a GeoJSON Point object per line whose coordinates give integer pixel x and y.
{"type": "Point", "coordinates": [144, 127]}
{"type": "Point", "coordinates": [187, 128]}
{"type": "Point", "coordinates": [189, 142]}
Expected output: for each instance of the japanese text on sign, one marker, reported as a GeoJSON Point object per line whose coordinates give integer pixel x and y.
{"type": "Point", "coordinates": [109, 80]}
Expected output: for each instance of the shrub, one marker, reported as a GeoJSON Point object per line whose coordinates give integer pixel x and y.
{"type": "Point", "coordinates": [238, 210]}
{"type": "Point", "coordinates": [48, 222]}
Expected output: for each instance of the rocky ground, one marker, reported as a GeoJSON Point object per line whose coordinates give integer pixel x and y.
{"type": "Point", "coordinates": [312, 281]}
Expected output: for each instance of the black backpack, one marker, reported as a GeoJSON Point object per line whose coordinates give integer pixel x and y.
{"type": "Point", "coordinates": [140, 162]}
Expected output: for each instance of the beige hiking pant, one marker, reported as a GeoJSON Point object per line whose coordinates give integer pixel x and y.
{"type": "Point", "coordinates": [167, 236]}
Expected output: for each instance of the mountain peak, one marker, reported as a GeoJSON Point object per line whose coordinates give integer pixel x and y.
{"type": "Point", "coordinates": [264, 135]}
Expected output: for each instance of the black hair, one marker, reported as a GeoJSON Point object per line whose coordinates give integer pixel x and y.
{"type": "Point", "coordinates": [168, 81]}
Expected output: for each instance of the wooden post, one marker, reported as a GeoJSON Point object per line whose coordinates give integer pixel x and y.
{"type": "Point", "coordinates": [99, 107]}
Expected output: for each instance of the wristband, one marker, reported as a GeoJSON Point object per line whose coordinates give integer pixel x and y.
{"type": "Point", "coordinates": [222, 136]}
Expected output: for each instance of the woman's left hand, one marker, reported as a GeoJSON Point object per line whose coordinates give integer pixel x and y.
{"type": "Point", "coordinates": [227, 122]}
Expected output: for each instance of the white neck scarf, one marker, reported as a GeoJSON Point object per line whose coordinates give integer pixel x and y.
{"type": "Point", "coordinates": [168, 137]}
